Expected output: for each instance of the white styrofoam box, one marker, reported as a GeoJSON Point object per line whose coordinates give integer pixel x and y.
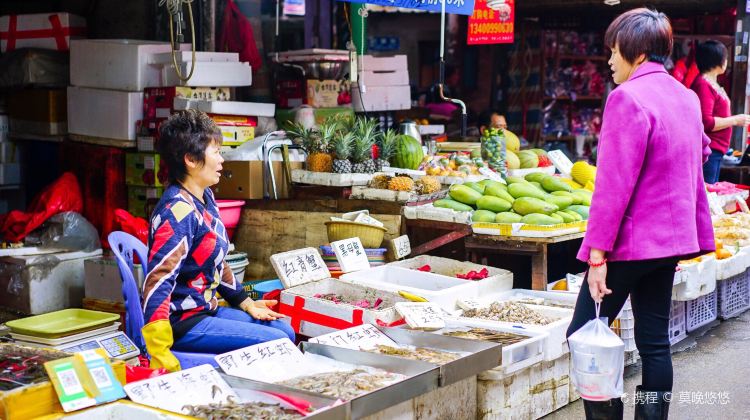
{"type": "Point", "coordinates": [381, 98]}
{"type": "Point", "coordinates": [10, 173]}
{"type": "Point", "coordinates": [120, 64]}
{"type": "Point", "coordinates": [549, 170]}
{"type": "Point", "coordinates": [438, 289]}
{"type": "Point", "coordinates": [313, 316]}
{"type": "Point", "coordinates": [556, 344]}
{"type": "Point", "coordinates": [430, 212]}
{"type": "Point", "coordinates": [695, 280]}
{"type": "Point", "coordinates": [516, 356]}
{"type": "Point", "coordinates": [71, 26]}
{"type": "Point", "coordinates": [110, 114]}
{"type": "Point", "coordinates": [43, 283]}
{"type": "Point", "coordinates": [432, 129]}
{"type": "Point", "coordinates": [123, 410]}
{"type": "Point", "coordinates": [252, 109]}
{"type": "Point", "coordinates": [200, 56]}
{"type": "Point", "coordinates": [499, 279]}
{"type": "Point", "coordinates": [730, 267]}
{"type": "Point", "coordinates": [102, 278]}
{"type": "Point", "coordinates": [328, 179]}
{"type": "Point", "coordinates": [373, 63]}
{"type": "Point", "coordinates": [209, 74]}
{"type": "Point", "coordinates": [384, 78]}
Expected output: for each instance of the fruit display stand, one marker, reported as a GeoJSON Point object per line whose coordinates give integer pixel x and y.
{"type": "Point", "coordinates": [403, 197]}
{"type": "Point", "coordinates": [529, 231]}
{"type": "Point", "coordinates": [302, 176]}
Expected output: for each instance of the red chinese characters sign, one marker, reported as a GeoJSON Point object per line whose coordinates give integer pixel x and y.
{"type": "Point", "coordinates": [491, 22]}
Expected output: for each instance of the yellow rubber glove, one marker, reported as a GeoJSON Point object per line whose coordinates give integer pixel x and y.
{"type": "Point", "coordinates": [158, 338]}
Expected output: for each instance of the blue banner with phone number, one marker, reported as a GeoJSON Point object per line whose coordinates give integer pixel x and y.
{"type": "Point", "coordinates": [456, 7]}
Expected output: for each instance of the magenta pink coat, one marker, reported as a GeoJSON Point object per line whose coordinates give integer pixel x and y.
{"type": "Point", "coordinates": [649, 199]}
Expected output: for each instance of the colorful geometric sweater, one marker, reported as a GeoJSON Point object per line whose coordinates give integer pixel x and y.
{"type": "Point", "coordinates": [186, 265]}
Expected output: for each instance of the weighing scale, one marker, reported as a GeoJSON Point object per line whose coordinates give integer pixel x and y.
{"type": "Point", "coordinates": [114, 342]}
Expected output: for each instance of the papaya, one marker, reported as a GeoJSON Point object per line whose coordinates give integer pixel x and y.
{"type": "Point", "coordinates": [575, 215]}
{"type": "Point", "coordinates": [515, 180]}
{"type": "Point", "coordinates": [508, 217]}
{"type": "Point", "coordinates": [562, 194]}
{"type": "Point", "coordinates": [528, 205]}
{"type": "Point", "coordinates": [539, 219]}
{"type": "Point", "coordinates": [552, 183]}
{"type": "Point", "coordinates": [464, 194]}
{"type": "Point", "coordinates": [447, 203]}
{"type": "Point", "coordinates": [587, 192]}
{"type": "Point", "coordinates": [525, 190]}
{"type": "Point", "coordinates": [561, 202]}
{"type": "Point", "coordinates": [565, 216]}
{"type": "Point", "coordinates": [581, 198]}
{"type": "Point", "coordinates": [495, 204]}
{"type": "Point", "coordinates": [557, 217]}
{"type": "Point", "coordinates": [582, 210]}
{"type": "Point", "coordinates": [535, 176]}
{"type": "Point", "coordinates": [490, 182]}
{"type": "Point", "coordinates": [538, 185]}
{"type": "Point", "coordinates": [483, 216]}
{"type": "Point", "coordinates": [539, 152]}
{"type": "Point", "coordinates": [495, 191]}
{"type": "Point", "coordinates": [475, 186]}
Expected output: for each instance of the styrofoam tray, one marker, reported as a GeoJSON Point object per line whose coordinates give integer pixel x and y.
{"type": "Point", "coordinates": [695, 280]}
{"type": "Point", "coordinates": [549, 170]}
{"type": "Point", "coordinates": [302, 176]}
{"type": "Point", "coordinates": [730, 267]}
{"type": "Point", "coordinates": [252, 109]}
{"type": "Point", "coordinates": [430, 212]}
{"type": "Point", "coordinates": [527, 230]}
{"type": "Point", "coordinates": [67, 339]}
{"type": "Point", "coordinates": [499, 279]}
{"type": "Point", "coordinates": [209, 74]}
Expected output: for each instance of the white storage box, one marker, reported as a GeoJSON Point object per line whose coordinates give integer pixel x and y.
{"type": "Point", "coordinates": [441, 290]}
{"type": "Point", "coordinates": [440, 214]}
{"type": "Point", "coordinates": [252, 109]}
{"type": "Point", "coordinates": [695, 280]}
{"type": "Point", "coordinates": [381, 98]}
{"type": "Point", "coordinates": [730, 267]}
{"type": "Point", "coordinates": [200, 56]}
{"type": "Point", "coordinates": [120, 64]}
{"type": "Point", "coordinates": [102, 278]}
{"type": "Point", "coordinates": [109, 114]}
{"type": "Point", "coordinates": [382, 64]}
{"type": "Point", "coordinates": [499, 279]}
{"type": "Point", "coordinates": [384, 78]}
{"type": "Point", "coordinates": [302, 176]}
{"type": "Point", "coordinates": [52, 31]}
{"type": "Point", "coordinates": [43, 283]}
{"type": "Point", "coordinates": [209, 74]}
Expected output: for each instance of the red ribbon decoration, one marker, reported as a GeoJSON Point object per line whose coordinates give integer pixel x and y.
{"type": "Point", "coordinates": [57, 31]}
{"type": "Point", "coordinates": [298, 313]}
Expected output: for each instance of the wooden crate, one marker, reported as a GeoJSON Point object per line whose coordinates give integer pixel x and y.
{"type": "Point", "coordinates": [262, 233]}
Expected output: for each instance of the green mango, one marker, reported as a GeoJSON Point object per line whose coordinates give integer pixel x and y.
{"type": "Point", "coordinates": [483, 216]}
{"type": "Point", "coordinates": [475, 186]}
{"type": "Point", "coordinates": [538, 185]}
{"type": "Point", "coordinates": [540, 219]}
{"type": "Point", "coordinates": [582, 210]}
{"type": "Point", "coordinates": [552, 183]}
{"type": "Point", "coordinates": [575, 215]}
{"type": "Point", "coordinates": [495, 204]}
{"type": "Point", "coordinates": [515, 180]}
{"type": "Point", "coordinates": [528, 205]}
{"type": "Point", "coordinates": [464, 194]}
{"type": "Point", "coordinates": [557, 217]}
{"type": "Point", "coordinates": [535, 176]}
{"type": "Point", "coordinates": [490, 182]}
{"type": "Point", "coordinates": [565, 216]}
{"type": "Point", "coordinates": [587, 192]}
{"type": "Point", "coordinates": [496, 191]}
{"type": "Point", "coordinates": [508, 217]}
{"type": "Point", "coordinates": [562, 194]}
{"type": "Point", "coordinates": [525, 189]}
{"type": "Point", "coordinates": [447, 203]}
{"type": "Point", "coordinates": [580, 198]}
{"type": "Point", "coordinates": [561, 202]}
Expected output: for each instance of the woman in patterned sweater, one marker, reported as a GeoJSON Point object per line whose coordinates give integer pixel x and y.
{"type": "Point", "coordinates": [186, 260]}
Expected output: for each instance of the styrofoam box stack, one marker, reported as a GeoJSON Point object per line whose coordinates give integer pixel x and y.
{"type": "Point", "coordinates": [383, 84]}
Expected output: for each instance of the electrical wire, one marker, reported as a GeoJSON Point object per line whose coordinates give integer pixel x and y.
{"type": "Point", "coordinates": [174, 7]}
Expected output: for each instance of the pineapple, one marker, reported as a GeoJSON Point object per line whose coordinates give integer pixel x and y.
{"type": "Point", "coordinates": [380, 182]}
{"type": "Point", "coordinates": [427, 185]}
{"type": "Point", "coordinates": [388, 142]}
{"type": "Point", "coordinates": [401, 183]}
{"type": "Point", "coordinates": [365, 135]}
{"type": "Point", "coordinates": [314, 144]}
{"type": "Point", "coordinates": [342, 149]}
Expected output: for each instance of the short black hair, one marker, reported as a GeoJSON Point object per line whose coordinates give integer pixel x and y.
{"type": "Point", "coordinates": [641, 31]}
{"type": "Point", "coordinates": [188, 133]}
{"type": "Point", "coordinates": [485, 118]}
{"type": "Point", "coordinates": [710, 54]}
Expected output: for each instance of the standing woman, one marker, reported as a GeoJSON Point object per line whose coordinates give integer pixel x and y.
{"type": "Point", "coordinates": [711, 59]}
{"type": "Point", "coordinates": [649, 206]}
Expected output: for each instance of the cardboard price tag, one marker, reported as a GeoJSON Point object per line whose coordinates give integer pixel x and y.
{"type": "Point", "coordinates": [401, 247]}
{"type": "Point", "coordinates": [84, 380]}
{"type": "Point", "coordinates": [561, 161]}
{"type": "Point", "coordinates": [365, 336]}
{"type": "Point", "coordinates": [272, 361]}
{"type": "Point", "coordinates": [467, 304]}
{"type": "Point", "coordinates": [489, 173]}
{"type": "Point", "coordinates": [299, 267]}
{"type": "Point", "coordinates": [200, 385]}
{"type": "Point", "coordinates": [421, 315]}
{"type": "Point", "coordinates": [351, 255]}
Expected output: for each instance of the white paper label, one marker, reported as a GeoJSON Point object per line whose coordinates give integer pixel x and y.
{"type": "Point", "coordinates": [300, 266]}
{"type": "Point", "coordinates": [364, 218]}
{"type": "Point", "coordinates": [272, 361]}
{"type": "Point", "coordinates": [351, 255]}
{"type": "Point", "coordinates": [561, 162]}
{"type": "Point", "coordinates": [365, 336]}
{"type": "Point", "coordinates": [401, 247]}
{"type": "Point", "coordinates": [421, 315]}
{"type": "Point", "coordinates": [351, 216]}
{"type": "Point", "coordinates": [467, 304]}
{"type": "Point", "coordinates": [195, 386]}
{"type": "Point", "coordinates": [489, 173]}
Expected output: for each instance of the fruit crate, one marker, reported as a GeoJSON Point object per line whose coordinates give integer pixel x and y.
{"type": "Point", "coordinates": [701, 311]}
{"type": "Point", "coordinates": [734, 295]}
{"type": "Point", "coordinates": [677, 322]}
{"type": "Point", "coordinates": [624, 327]}
{"type": "Point", "coordinates": [527, 230]}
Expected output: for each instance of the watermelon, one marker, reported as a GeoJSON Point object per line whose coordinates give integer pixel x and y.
{"type": "Point", "coordinates": [409, 153]}
{"type": "Point", "coordinates": [528, 159]}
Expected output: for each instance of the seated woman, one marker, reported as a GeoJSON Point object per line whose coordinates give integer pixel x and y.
{"type": "Point", "coordinates": [186, 258]}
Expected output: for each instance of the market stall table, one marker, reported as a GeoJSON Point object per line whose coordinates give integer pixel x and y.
{"type": "Point", "coordinates": [453, 232]}
{"type": "Point", "coordinates": [478, 246]}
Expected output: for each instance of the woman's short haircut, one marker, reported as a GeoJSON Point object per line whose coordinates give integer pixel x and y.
{"type": "Point", "coordinates": [641, 31]}
{"type": "Point", "coordinates": [710, 54]}
{"type": "Point", "coordinates": [186, 133]}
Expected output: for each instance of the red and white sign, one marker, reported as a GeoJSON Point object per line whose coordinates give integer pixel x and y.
{"type": "Point", "coordinates": [492, 22]}
{"type": "Point", "coordinates": [50, 31]}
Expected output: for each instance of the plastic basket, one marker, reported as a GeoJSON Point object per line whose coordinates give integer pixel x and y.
{"type": "Point", "coordinates": [624, 326]}
{"type": "Point", "coordinates": [734, 295]}
{"type": "Point", "coordinates": [677, 321]}
{"type": "Point", "coordinates": [701, 311]}
{"type": "Point", "coordinates": [370, 236]}
{"type": "Point", "coordinates": [631, 357]}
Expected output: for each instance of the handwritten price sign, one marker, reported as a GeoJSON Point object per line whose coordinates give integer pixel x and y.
{"type": "Point", "coordinates": [351, 255]}
{"type": "Point", "coordinates": [299, 267]}
{"type": "Point", "coordinates": [364, 336]}
{"type": "Point", "coordinates": [421, 315]}
{"type": "Point", "coordinates": [272, 361]}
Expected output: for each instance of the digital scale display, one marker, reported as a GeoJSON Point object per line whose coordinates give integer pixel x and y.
{"type": "Point", "coordinates": [117, 345]}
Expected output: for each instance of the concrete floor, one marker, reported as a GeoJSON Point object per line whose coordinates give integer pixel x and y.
{"type": "Point", "coordinates": [706, 367]}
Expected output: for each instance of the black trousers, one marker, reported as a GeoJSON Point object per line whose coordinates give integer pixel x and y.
{"type": "Point", "coordinates": [649, 285]}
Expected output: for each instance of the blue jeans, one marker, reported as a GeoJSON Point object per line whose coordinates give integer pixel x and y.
{"type": "Point", "coordinates": [712, 167]}
{"type": "Point", "coordinates": [231, 329]}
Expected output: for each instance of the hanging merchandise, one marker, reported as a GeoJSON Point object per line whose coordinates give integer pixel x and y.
{"type": "Point", "coordinates": [491, 23]}
{"type": "Point", "coordinates": [237, 36]}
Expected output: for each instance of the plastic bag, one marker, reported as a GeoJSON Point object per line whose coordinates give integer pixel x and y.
{"type": "Point", "coordinates": [69, 231]}
{"type": "Point", "coordinates": [135, 226]}
{"type": "Point", "coordinates": [494, 151]}
{"type": "Point", "coordinates": [598, 360]}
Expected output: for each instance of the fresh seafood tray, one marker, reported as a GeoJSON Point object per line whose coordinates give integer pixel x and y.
{"type": "Point", "coordinates": [551, 320]}
{"type": "Point", "coordinates": [251, 410]}
{"type": "Point", "coordinates": [497, 281]}
{"type": "Point", "coordinates": [21, 366]}
{"type": "Point", "coordinates": [341, 305]}
{"type": "Point", "coordinates": [345, 385]}
{"type": "Point", "coordinates": [438, 357]}
{"type": "Point", "coordinates": [441, 290]}
{"type": "Point", "coordinates": [521, 348]}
